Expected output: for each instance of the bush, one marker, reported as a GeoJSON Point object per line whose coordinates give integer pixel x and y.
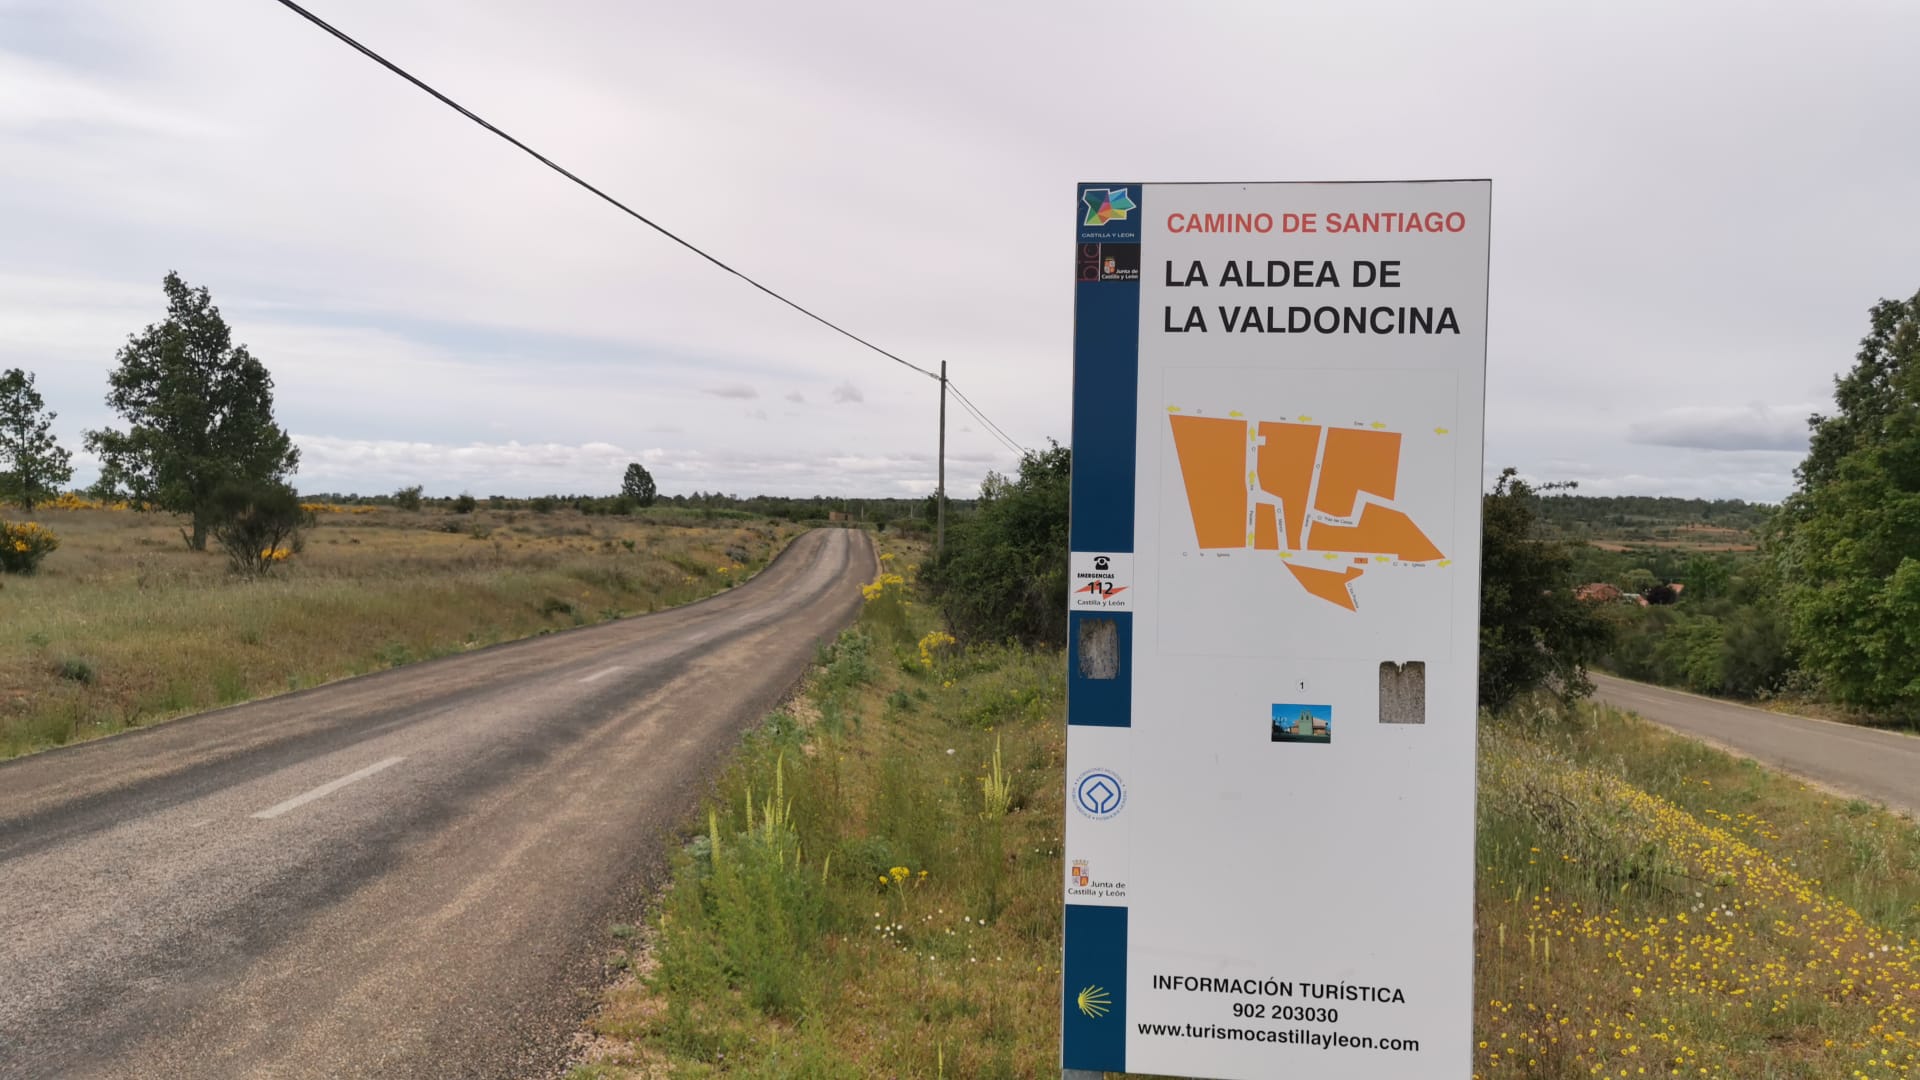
{"type": "Point", "coordinates": [464, 504]}
{"type": "Point", "coordinates": [407, 498]}
{"type": "Point", "coordinates": [257, 526]}
{"type": "Point", "coordinates": [1004, 573]}
{"type": "Point", "coordinates": [23, 546]}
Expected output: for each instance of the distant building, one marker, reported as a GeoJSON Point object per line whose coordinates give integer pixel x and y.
{"type": "Point", "coordinates": [836, 515]}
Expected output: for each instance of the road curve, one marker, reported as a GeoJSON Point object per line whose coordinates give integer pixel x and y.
{"type": "Point", "coordinates": [1882, 766]}
{"type": "Point", "coordinates": [408, 874]}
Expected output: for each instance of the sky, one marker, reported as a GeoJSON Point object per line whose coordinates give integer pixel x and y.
{"type": "Point", "coordinates": [1694, 208]}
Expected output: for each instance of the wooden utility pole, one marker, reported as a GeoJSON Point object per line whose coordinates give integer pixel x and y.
{"type": "Point", "coordinates": [940, 529]}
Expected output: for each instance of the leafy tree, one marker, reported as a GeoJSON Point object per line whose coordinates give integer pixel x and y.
{"type": "Point", "coordinates": [1533, 633]}
{"type": "Point", "coordinates": [1847, 541]}
{"type": "Point", "coordinates": [199, 411]}
{"type": "Point", "coordinates": [637, 485]}
{"type": "Point", "coordinates": [1004, 573]}
{"type": "Point", "coordinates": [464, 504]}
{"type": "Point", "coordinates": [1707, 576]}
{"type": "Point", "coordinates": [408, 498]}
{"type": "Point", "coordinates": [35, 466]}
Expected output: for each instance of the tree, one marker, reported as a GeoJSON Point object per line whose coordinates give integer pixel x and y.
{"type": "Point", "coordinates": [35, 466]}
{"type": "Point", "coordinates": [1846, 543]}
{"type": "Point", "coordinates": [199, 411]}
{"type": "Point", "coordinates": [1004, 573]}
{"type": "Point", "coordinates": [408, 498]}
{"type": "Point", "coordinates": [1533, 633]}
{"type": "Point", "coordinates": [637, 485]}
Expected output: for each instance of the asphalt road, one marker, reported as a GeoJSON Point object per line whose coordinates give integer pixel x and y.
{"type": "Point", "coordinates": [1881, 766]}
{"type": "Point", "coordinates": [409, 874]}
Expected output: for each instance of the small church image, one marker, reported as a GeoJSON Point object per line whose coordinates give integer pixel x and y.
{"type": "Point", "coordinates": [1303, 723]}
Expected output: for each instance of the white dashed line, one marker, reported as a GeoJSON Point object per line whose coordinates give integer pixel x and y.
{"type": "Point", "coordinates": [327, 788]}
{"type": "Point", "coordinates": [601, 674]}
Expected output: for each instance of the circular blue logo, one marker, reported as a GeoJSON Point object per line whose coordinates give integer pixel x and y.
{"type": "Point", "coordinates": [1099, 793]}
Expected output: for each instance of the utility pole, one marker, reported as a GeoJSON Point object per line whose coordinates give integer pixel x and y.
{"type": "Point", "coordinates": [940, 529]}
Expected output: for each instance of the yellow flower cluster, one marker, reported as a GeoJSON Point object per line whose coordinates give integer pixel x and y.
{"type": "Point", "coordinates": [69, 500]}
{"type": "Point", "coordinates": [277, 554]}
{"type": "Point", "coordinates": [879, 586]}
{"type": "Point", "coordinates": [1726, 952]}
{"type": "Point", "coordinates": [335, 508]}
{"type": "Point", "coordinates": [935, 639]}
{"type": "Point", "coordinates": [23, 546]}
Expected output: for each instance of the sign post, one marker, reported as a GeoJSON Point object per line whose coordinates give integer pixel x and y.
{"type": "Point", "coordinates": [1278, 404]}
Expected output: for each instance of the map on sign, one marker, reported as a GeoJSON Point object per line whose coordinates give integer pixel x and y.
{"type": "Point", "coordinates": [1317, 495]}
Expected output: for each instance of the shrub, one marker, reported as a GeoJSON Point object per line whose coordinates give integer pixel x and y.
{"type": "Point", "coordinates": [258, 526]}
{"type": "Point", "coordinates": [23, 546]}
{"type": "Point", "coordinates": [543, 505]}
{"type": "Point", "coordinates": [464, 504]}
{"type": "Point", "coordinates": [407, 498]}
{"type": "Point", "coordinates": [74, 669]}
{"type": "Point", "coordinates": [1004, 573]}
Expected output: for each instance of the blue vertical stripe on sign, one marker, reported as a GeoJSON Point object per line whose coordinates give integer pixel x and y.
{"type": "Point", "coordinates": [1093, 1027]}
{"type": "Point", "coordinates": [1106, 376]}
{"type": "Point", "coordinates": [1099, 702]}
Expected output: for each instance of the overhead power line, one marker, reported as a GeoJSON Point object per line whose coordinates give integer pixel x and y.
{"type": "Point", "coordinates": [622, 207]}
{"type": "Point", "coordinates": [992, 428]}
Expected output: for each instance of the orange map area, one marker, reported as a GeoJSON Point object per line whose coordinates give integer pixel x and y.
{"type": "Point", "coordinates": [1249, 485]}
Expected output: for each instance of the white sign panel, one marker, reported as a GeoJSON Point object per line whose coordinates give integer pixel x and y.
{"type": "Point", "coordinates": [1278, 407]}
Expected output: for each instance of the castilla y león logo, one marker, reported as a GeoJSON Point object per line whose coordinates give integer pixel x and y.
{"type": "Point", "coordinates": [1106, 204]}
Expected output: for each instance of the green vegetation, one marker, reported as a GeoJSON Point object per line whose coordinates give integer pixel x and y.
{"type": "Point", "coordinates": [1848, 542]}
{"type": "Point", "coordinates": [1533, 633]}
{"type": "Point", "coordinates": [637, 485]}
{"type": "Point", "coordinates": [32, 465]}
{"type": "Point", "coordinates": [874, 888]}
{"type": "Point", "coordinates": [125, 626]}
{"type": "Point", "coordinates": [199, 411]}
{"type": "Point", "coordinates": [1650, 906]}
{"type": "Point", "coordinates": [1003, 576]}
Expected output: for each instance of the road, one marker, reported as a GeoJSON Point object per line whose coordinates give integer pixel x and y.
{"type": "Point", "coordinates": [1881, 766]}
{"type": "Point", "coordinates": [409, 874]}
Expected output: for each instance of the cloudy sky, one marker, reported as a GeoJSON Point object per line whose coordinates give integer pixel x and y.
{"type": "Point", "coordinates": [1694, 206]}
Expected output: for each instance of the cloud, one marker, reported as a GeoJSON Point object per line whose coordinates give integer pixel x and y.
{"type": "Point", "coordinates": [331, 463]}
{"type": "Point", "coordinates": [846, 393]}
{"type": "Point", "coordinates": [1727, 428]}
{"type": "Point", "coordinates": [733, 390]}
{"type": "Point", "coordinates": [757, 414]}
{"type": "Point", "coordinates": [797, 398]}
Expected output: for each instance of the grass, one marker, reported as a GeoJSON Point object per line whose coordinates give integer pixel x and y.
{"type": "Point", "coordinates": [1651, 906]}
{"type": "Point", "coordinates": [875, 888]}
{"type": "Point", "coordinates": [123, 626]}
{"type": "Point", "coordinates": [854, 904]}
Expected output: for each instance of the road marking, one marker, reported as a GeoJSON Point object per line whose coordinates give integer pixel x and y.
{"type": "Point", "coordinates": [327, 788]}
{"type": "Point", "coordinates": [601, 674]}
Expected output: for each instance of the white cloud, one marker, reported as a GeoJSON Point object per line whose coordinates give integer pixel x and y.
{"type": "Point", "coordinates": [738, 391]}
{"type": "Point", "coordinates": [1717, 427]}
{"type": "Point", "coordinates": [847, 393]}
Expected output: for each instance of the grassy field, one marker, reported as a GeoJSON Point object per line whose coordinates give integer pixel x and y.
{"type": "Point", "coordinates": [855, 905]}
{"type": "Point", "coordinates": [123, 626]}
